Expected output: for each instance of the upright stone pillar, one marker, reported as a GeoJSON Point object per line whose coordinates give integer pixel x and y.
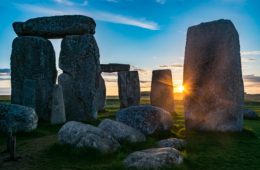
{"type": "Point", "coordinates": [213, 78]}
{"type": "Point", "coordinates": [79, 60]}
{"type": "Point", "coordinates": [58, 115]}
{"type": "Point", "coordinates": [129, 88]}
{"type": "Point", "coordinates": [33, 73]}
{"type": "Point", "coordinates": [162, 90]}
{"type": "Point", "coordinates": [101, 95]}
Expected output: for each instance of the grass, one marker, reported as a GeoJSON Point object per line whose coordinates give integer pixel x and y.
{"type": "Point", "coordinates": [205, 151]}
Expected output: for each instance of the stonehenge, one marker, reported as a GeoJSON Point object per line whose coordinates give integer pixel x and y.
{"type": "Point", "coordinates": [162, 90]}
{"type": "Point", "coordinates": [213, 78]}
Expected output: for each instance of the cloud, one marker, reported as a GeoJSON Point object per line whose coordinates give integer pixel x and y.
{"type": "Point", "coordinates": [5, 70]}
{"type": "Point", "coordinates": [160, 1]}
{"type": "Point", "coordinates": [98, 15]}
{"type": "Point", "coordinates": [171, 66]}
{"type": "Point", "coordinates": [114, 1]}
{"type": "Point", "coordinates": [71, 3]}
{"type": "Point", "coordinates": [252, 78]}
{"type": "Point", "coordinates": [246, 53]}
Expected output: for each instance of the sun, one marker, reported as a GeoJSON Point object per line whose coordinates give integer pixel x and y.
{"type": "Point", "coordinates": [181, 89]}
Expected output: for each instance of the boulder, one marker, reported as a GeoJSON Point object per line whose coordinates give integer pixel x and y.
{"type": "Point", "coordinates": [79, 61]}
{"type": "Point", "coordinates": [33, 74]}
{"type": "Point", "coordinates": [114, 67]}
{"type": "Point", "coordinates": [250, 114]}
{"type": "Point", "coordinates": [58, 109]}
{"type": "Point", "coordinates": [162, 90]}
{"type": "Point", "coordinates": [128, 88]}
{"type": "Point", "coordinates": [17, 118]}
{"type": "Point", "coordinates": [155, 158]}
{"type": "Point", "coordinates": [101, 95]}
{"type": "Point", "coordinates": [84, 135]}
{"type": "Point", "coordinates": [178, 144]}
{"type": "Point", "coordinates": [121, 132]}
{"type": "Point", "coordinates": [148, 119]}
{"type": "Point", "coordinates": [55, 26]}
{"type": "Point", "coordinates": [213, 78]}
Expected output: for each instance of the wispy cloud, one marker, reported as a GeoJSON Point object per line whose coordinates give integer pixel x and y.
{"type": "Point", "coordinates": [98, 15]}
{"type": "Point", "coordinates": [252, 78]}
{"type": "Point", "coordinates": [246, 53]}
{"type": "Point", "coordinates": [71, 3]}
{"type": "Point", "coordinates": [171, 66]}
{"type": "Point", "coordinates": [160, 1]}
{"type": "Point", "coordinates": [114, 1]}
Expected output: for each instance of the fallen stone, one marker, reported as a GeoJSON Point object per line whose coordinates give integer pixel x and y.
{"type": "Point", "coordinates": [33, 74]}
{"type": "Point", "coordinates": [101, 95]}
{"type": "Point", "coordinates": [121, 132]}
{"type": "Point", "coordinates": [16, 118]}
{"type": "Point", "coordinates": [148, 119]}
{"type": "Point", "coordinates": [128, 88]}
{"type": "Point", "coordinates": [55, 26]}
{"type": "Point", "coordinates": [84, 135]}
{"type": "Point", "coordinates": [58, 109]}
{"type": "Point", "coordinates": [213, 78]}
{"type": "Point", "coordinates": [113, 67]}
{"type": "Point", "coordinates": [250, 114]}
{"type": "Point", "coordinates": [155, 158]}
{"type": "Point", "coordinates": [178, 144]}
{"type": "Point", "coordinates": [162, 90]}
{"type": "Point", "coordinates": [79, 60]}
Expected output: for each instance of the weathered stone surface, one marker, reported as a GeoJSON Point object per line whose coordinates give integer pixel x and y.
{"type": "Point", "coordinates": [84, 135]}
{"type": "Point", "coordinates": [147, 119]}
{"type": "Point", "coordinates": [58, 109]}
{"type": "Point", "coordinates": [79, 60]}
{"type": "Point", "coordinates": [128, 88]}
{"type": "Point", "coordinates": [55, 26]}
{"type": "Point", "coordinates": [114, 67]}
{"type": "Point", "coordinates": [154, 158]}
{"type": "Point", "coordinates": [121, 132]}
{"type": "Point", "coordinates": [33, 73]}
{"type": "Point", "coordinates": [178, 144]}
{"type": "Point", "coordinates": [213, 78]}
{"type": "Point", "coordinates": [17, 118]}
{"type": "Point", "coordinates": [250, 114]}
{"type": "Point", "coordinates": [162, 90]}
{"type": "Point", "coordinates": [101, 95]}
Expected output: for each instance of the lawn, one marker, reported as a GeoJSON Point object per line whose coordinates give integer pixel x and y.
{"type": "Point", "coordinates": [205, 151]}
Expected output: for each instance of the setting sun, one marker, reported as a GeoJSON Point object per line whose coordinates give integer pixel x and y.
{"type": "Point", "coordinates": [181, 89]}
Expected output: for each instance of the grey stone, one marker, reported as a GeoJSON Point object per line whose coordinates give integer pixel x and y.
{"type": "Point", "coordinates": [79, 60]}
{"type": "Point", "coordinates": [250, 114]}
{"type": "Point", "coordinates": [84, 135]}
{"type": "Point", "coordinates": [155, 158]}
{"type": "Point", "coordinates": [148, 119]}
{"type": "Point", "coordinates": [58, 115]}
{"type": "Point", "coordinates": [121, 132]}
{"type": "Point", "coordinates": [33, 61]}
{"type": "Point", "coordinates": [128, 88]}
{"type": "Point", "coordinates": [114, 67]}
{"type": "Point", "coordinates": [162, 90]}
{"type": "Point", "coordinates": [178, 144]}
{"type": "Point", "coordinates": [17, 118]}
{"type": "Point", "coordinates": [213, 79]}
{"type": "Point", "coordinates": [101, 95]}
{"type": "Point", "coordinates": [55, 26]}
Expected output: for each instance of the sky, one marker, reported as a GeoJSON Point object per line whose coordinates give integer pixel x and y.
{"type": "Point", "coordinates": [147, 34]}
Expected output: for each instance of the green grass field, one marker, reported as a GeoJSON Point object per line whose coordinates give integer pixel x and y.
{"type": "Point", "coordinates": [205, 151]}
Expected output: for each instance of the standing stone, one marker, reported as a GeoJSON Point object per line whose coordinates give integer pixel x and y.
{"type": "Point", "coordinates": [101, 95]}
{"type": "Point", "coordinates": [56, 26]}
{"type": "Point", "coordinates": [129, 88]}
{"type": "Point", "coordinates": [162, 90]}
{"type": "Point", "coordinates": [213, 78]}
{"type": "Point", "coordinates": [79, 60]}
{"type": "Point", "coordinates": [58, 109]}
{"type": "Point", "coordinates": [33, 73]}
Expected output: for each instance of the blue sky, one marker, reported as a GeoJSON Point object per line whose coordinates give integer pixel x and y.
{"type": "Point", "coordinates": [148, 34]}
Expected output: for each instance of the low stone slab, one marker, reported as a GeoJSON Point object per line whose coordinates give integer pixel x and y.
{"type": "Point", "coordinates": [121, 132]}
{"type": "Point", "coordinates": [178, 144]}
{"type": "Point", "coordinates": [114, 67]}
{"type": "Point", "coordinates": [58, 115]}
{"type": "Point", "coordinates": [84, 135]}
{"type": "Point", "coordinates": [17, 118]}
{"type": "Point", "coordinates": [55, 26]}
{"type": "Point", "coordinates": [250, 114]}
{"type": "Point", "coordinates": [148, 119]}
{"type": "Point", "coordinates": [155, 158]}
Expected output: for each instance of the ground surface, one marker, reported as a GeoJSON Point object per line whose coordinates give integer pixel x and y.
{"type": "Point", "coordinates": [232, 151]}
